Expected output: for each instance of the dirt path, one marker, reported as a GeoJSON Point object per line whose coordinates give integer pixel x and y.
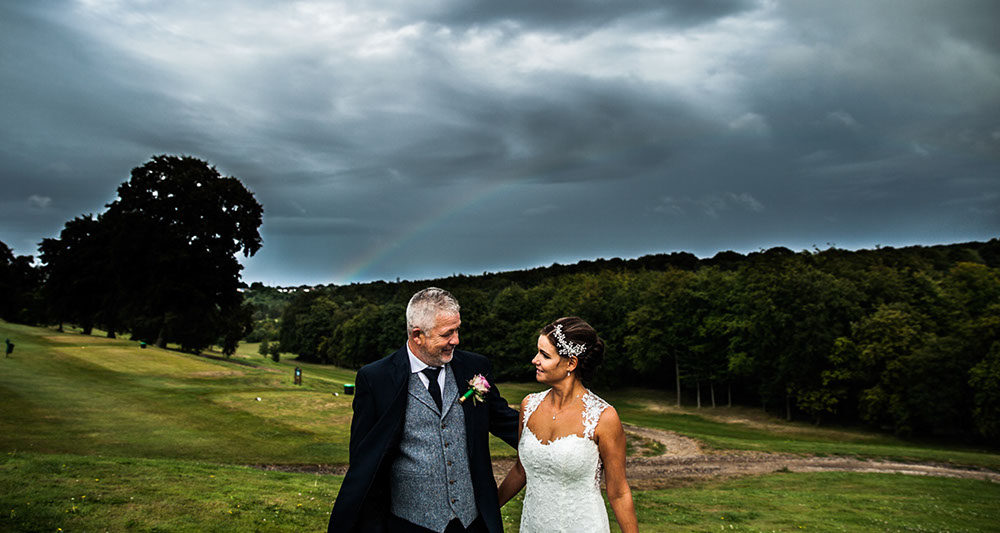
{"type": "Point", "coordinates": [684, 460]}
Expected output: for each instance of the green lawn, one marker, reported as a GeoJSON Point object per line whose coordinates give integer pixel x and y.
{"type": "Point", "coordinates": [86, 493]}
{"type": "Point", "coordinates": [99, 434]}
{"type": "Point", "coordinates": [44, 492]}
{"type": "Point", "coordinates": [823, 502]}
{"type": "Point", "coordinates": [92, 395]}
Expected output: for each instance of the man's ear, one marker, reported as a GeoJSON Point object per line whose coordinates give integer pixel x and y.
{"type": "Point", "coordinates": [415, 335]}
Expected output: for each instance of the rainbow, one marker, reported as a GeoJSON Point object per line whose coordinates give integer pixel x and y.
{"type": "Point", "coordinates": [408, 233]}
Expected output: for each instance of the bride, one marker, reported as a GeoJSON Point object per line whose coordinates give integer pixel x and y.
{"type": "Point", "coordinates": [567, 434]}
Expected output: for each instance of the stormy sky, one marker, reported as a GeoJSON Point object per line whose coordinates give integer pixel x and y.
{"type": "Point", "coordinates": [396, 139]}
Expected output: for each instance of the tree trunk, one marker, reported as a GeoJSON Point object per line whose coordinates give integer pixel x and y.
{"type": "Point", "coordinates": [711, 388]}
{"type": "Point", "coordinates": [677, 373]}
{"type": "Point", "coordinates": [788, 407]}
{"type": "Point", "coordinates": [729, 394]}
{"type": "Point", "coordinates": [698, 388]}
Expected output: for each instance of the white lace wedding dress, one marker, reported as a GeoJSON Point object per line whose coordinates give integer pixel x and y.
{"type": "Point", "coordinates": [563, 491]}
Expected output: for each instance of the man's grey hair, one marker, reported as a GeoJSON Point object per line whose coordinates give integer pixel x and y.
{"type": "Point", "coordinates": [424, 307]}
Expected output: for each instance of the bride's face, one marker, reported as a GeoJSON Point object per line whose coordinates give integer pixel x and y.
{"type": "Point", "coordinates": [549, 366]}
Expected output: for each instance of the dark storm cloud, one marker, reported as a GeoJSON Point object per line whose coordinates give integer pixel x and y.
{"type": "Point", "coordinates": [314, 225]}
{"type": "Point", "coordinates": [574, 14]}
{"type": "Point", "coordinates": [72, 107]}
{"type": "Point", "coordinates": [400, 139]}
{"type": "Point", "coordinates": [889, 105]}
{"type": "Point", "coordinates": [574, 129]}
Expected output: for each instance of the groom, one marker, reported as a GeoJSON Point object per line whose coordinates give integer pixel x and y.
{"type": "Point", "coordinates": [420, 460]}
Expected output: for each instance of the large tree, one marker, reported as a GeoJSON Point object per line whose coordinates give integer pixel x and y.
{"type": "Point", "coordinates": [165, 254]}
{"type": "Point", "coordinates": [180, 225]}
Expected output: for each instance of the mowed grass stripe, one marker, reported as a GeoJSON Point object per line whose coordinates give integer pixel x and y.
{"type": "Point", "coordinates": [65, 403]}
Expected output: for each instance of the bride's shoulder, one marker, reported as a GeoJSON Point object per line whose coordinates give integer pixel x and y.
{"type": "Point", "coordinates": [603, 419]}
{"type": "Point", "coordinates": [595, 402]}
{"type": "Point", "coordinates": [594, 409]}
{"type": "Point", "coordinates": [532, 400]}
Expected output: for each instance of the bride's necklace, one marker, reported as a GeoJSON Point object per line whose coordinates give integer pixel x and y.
{"type": "Point", "coordinates": [570, 404]}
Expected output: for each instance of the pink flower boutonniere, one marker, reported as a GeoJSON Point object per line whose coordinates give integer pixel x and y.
{"type": "Point", "coordinates": [478, 387]}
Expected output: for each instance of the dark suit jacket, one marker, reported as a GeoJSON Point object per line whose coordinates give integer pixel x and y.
{"type": "Point", "coordinates": [379, 405]}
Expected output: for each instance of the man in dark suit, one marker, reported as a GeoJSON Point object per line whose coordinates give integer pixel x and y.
{"type": "Point", "coordinates": [420, 459]}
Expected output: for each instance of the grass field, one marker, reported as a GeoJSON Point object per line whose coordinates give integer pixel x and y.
{"type": "Point", "coordinates": [100, 435]}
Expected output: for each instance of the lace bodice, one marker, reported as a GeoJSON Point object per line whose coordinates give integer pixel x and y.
{"type": "Point", "coordinates": [563, 491]}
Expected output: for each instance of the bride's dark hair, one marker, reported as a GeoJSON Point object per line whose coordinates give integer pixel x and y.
{"type": "Point", "coordinates": [573, 332]}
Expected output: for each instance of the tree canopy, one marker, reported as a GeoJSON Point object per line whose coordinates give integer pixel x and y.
{"type": "Point", "coordinates": [905, 339]}
{"type": "Point", "coordinates": [161, 261]}
{"type": "Point", "coordinates": [19, 281]}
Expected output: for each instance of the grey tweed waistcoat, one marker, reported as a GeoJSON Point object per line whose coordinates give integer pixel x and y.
{"type": "Point", "coordinates": [430, 481]}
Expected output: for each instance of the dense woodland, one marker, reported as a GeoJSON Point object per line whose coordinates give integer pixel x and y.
{"type": "Point", "coordinates": [901, 339]}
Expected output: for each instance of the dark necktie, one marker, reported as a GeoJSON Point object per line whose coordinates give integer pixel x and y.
{"type": "Point", "coordinates": [432, 375]}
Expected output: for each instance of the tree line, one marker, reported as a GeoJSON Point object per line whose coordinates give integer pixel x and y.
{"type": "Point", "coordinates": [159, 263]}
{"type": "Point", "coordinates": [902, 339]}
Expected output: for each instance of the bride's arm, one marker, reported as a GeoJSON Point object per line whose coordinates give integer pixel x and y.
{"type": "Point", "coordinates": [514, 482]}
{"type": "Point", "coordinates": [611, 443]}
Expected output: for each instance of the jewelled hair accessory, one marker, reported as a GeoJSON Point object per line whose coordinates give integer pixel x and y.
{"type": "Point", "coordinates": [564, 347]}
